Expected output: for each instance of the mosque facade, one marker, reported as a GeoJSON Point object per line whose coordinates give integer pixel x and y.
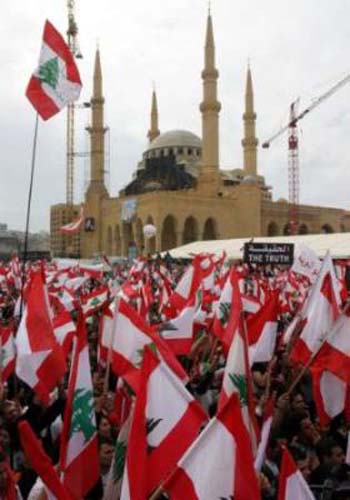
{"type": "Point", "coordinates": [178, 186]}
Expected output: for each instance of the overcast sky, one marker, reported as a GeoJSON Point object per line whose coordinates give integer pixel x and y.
{"type": "Point", "coordinates": [296, 49]}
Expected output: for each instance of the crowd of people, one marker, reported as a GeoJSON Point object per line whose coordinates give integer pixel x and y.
{"type": "Point", "coordinates": [279, 384]}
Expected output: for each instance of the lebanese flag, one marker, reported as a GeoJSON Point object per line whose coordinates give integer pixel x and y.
{"type": "Point", "coordinates": [40, 359]}
{"type": "Point", "coordinates": [262, 331]}
{"type": "Point", "coordinates": [8, 351]}
{"type": "Point", "coordinates": [126, 334]}
{"type": "Point", "coordinates": [40, 462]}
{"type": "Point", "coordinates": [292, 485]}
{"type": "Point", "coordinates": [219, 464]}
{"type": "Point", "coordinates": [93, 301]}
{"type": "Point", "coordinates": [200, 268]}
{"type": "Point", "coordinates": [228, 311]}
{"type": "Point", "coordinates": [331, 371]}
{"type": "Point", "coordinates": [178, 332]}
{"type": "Point", "coordinates": [167, 419]}
{"type": "Point", "coordinates": [56, 82]}
{"type": "Point", "coordinates": [237, 379]}
{"type": "Point", "coordinates": [319, 313]}
{"type": "Point", "coordinates": [74, 226]}
{"type": "Point", "coordinates": [79, 460]}
{"type": "Point", "coordinates": [64, 328]}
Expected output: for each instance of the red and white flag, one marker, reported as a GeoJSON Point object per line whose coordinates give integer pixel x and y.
{"type": "Point", "coordinates": [125, 335]}
{"type": "Point", "coordinates": [41, 463]}
{"type": "Point", "coordinates": [64, 328]}
{"type": "Point", "coordinates": [79, 461]}
{"type": "Point", "coordinates": [40, 359]}
{"type": "Point", "coordinates": [219, 464]}
{"type": "Point", "coordinates": [56, 82]}
{"type": "Point", "coordinates": [262, 331]}
{"type": "Point", "coordinates": [8, 351]}
{"type": "Point", "coordinates": [331, 370]}
{"type": "Point", "coordinates": [228, 310]}
{"type": "Point", "coordinates": [292, 485]}
{"type": "Point", "coordinates": [178, 332]}
{"type": "Point", "coordinates": [74, 226]}
{"type": "Point", "coordinates": [166, 421]}
{"type": "Point", "coordinates": [319, 313]}
{"type": "Point", "coordinates": [237, 379]}
{"type": "Point", "coordinates": [93, 301]}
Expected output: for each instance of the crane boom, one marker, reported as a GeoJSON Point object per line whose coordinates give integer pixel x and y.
{"type": "Point", "coordinates": [307, 110]}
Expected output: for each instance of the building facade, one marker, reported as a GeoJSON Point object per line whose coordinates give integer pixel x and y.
{"type": "Point", "coordinates": [179, 188]}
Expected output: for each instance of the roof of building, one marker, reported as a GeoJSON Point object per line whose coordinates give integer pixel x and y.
{"type": "Point", "coordinates": [176, 138]}
{"type": "Point", "coordinates": [338, 244]}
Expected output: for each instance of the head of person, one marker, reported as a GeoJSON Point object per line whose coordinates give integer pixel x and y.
{"type": "Point", "coordinates": [106, 451]}
{"type": "Point", "coordinates": [104, 428]}
{"type": "Point", "coordinates": [302, 460]}
{"type": "Point", "coordinates": [10, 411]}
{"type": "Point", "coordinates": [330, 453]}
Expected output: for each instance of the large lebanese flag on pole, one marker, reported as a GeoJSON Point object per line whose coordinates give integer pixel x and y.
{"type": "Point", "coordinates": [167, 419]}
{"type": "Point", "coordinates": [219, 464]}
{"type": "Point", "coordinates": [40, 359]}
{"type": "Point", "coordinates": [292, 485]}
{"type": "Point", "coordinates": [56, 82]}
{"type": "Point", "coordinates": [79, 460]}
{"type": "Point", "coordinates": [319, 313]}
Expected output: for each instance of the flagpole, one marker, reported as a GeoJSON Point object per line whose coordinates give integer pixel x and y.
{"type": "Point", "coordinates": [29, 203]}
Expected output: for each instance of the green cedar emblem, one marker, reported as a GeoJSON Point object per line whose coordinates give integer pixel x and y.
{"type": "Point", "coordinates": [240, 383]}
{"type": "Point", "coordinates": [83, 414]}
{"type": "Point", "coordinates": [95, 301]}
{"type": "Point", "coordinates": [119, 461]}
{"type": "Point", "coordinates": [49, 71]}
{"type": "Point", "coordinates": [224, 312]}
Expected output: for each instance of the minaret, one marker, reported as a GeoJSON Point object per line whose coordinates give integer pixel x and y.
{"type": "Point", "coordinates": [250, 142]}
{"type": "Point", "coordinates": [97, 129]}
{"type": "Point", "coordinates": [210, 108]}
{"type": "Point", "coordinates": [92, 239]}
{"type": "Point", "coordinates": [154, 130]}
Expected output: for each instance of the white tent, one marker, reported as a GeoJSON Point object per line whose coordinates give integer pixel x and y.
{"type": "Point", "coordinates": [337, 243]}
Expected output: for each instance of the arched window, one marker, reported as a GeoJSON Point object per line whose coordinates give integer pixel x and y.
{"type": "Point", "coordinates": [327, 228]}
{"type": "Point", "coordinates": [190, 232]}
{"type": "Point", "coordinates": [169, 233]}
{"type": "Point", "coordinates": [273, 229]}
{"type": "Point", "coordinates": [303, 229]}
{"type": "Point", "coordinates": [209, 232]}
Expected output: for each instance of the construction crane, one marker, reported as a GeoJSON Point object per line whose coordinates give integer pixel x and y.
{"type": "Point", "coordinates": [72, 35]}
{"type": "Point", "coordinates": [293, 150]}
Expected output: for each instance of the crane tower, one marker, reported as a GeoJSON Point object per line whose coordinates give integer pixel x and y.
{"type": "Point", "coordinates": [293, 149]}
{"type": "Point", "coordinates": [72, 33]}
{"type": "Point", "coordinates": [293, 171]}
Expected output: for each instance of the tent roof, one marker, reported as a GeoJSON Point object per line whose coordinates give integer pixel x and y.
{"type": "Point", "coordinates": [337, 243]}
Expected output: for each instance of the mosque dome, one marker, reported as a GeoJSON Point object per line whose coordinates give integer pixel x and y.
{"type": "Point", "coordinates": [250, 180]}
{"type": "Point", "coordinates": [176, 139]}
{"type": "Point", "coordinates": [282, 200]}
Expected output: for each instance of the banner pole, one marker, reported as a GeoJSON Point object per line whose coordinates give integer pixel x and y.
{"type": "Point", "coordinates": [29, 203]}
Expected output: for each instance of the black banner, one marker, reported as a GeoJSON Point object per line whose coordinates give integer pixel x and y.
{"type": "Point", "coordinates": [269, 253]}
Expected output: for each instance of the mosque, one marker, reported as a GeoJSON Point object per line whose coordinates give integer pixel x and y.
{"type": "Point", "coordinates": [178, 186]}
